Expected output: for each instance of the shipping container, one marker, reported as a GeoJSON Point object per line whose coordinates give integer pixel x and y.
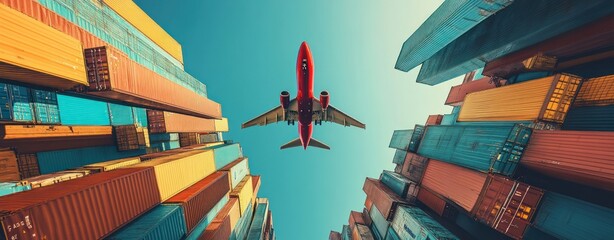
{"type": "Point", "coordinates": [225, 154]}
{"type": "Point", "coordinates": [382, 197]}
{"type": "Point", "coordinates": [28, 165]}
{"type": "Point", "coordinates": [237, 170]}
{"type": "Point", "coordinates": [46, 110]}
{"type": "Point", "coordinates": [379, 221]}
{"type": "Point", "coordinates": [407, 140]}
{"type": "Point", "coordinates": [207, 219]}
{"type": "Point", "coordinates": [413, 167]}
{"type": "Point", "coordinates": [457, 93]}
{"type": "Point", "coordinates": [391, 234]}
{"type": "Point", "coordinates": [50, 209]}
{"type": "Point", "coordinates": [177, 172]}
{"type": "Point", "coordinates": [569, 218]}
{"type": "Point", "coordinates": [433, 120]}
{"type": "Point", "coordinates": [450, 119]}
{"type": "Point", "coordinates": [139, 19]}
{"type": "Point", "coordinates": [400, 185]}
{"type": "Point", "coordinates": [268, 227]}
{"type": "Point", "coordinates": [590, 118]}
{"type": "Point", "coordinates": [15, 103]}
{"type": "Point", "coordinates": [256, 229]}
{"type": "Point", "coordinates": [112, 165]}
{"type": "Point", "coordinates": [583, 157]}
{"type": "Point", "coordinates": [546, 99]}
{"type": "Point", "coordinates": [169, 122]}
{"type": "Point", "coordinates": [355, 218]}
{"type": "Point", "coordinates": [198, 199]}
{"type": "Point", "coordinates": [73, 108]}
{"type": "Point", "coordinates": [365, 215]}
{"type": "Point", "coordinates": [131, 137]}
{"type": "Point", "coordinates": [596, 92]}
{"type": "Point", "coordinates": [413, 223]}
{"type": "Point", "coordinates": [432, 201]}
{"type": "Point", "coordinates": [538, 62]}
{"type": "Point", "coordinates": [222, 225]}
{"type": "Point", "coordinates": [165, 146]}
{"type": "Point", "coordinates": [507, 206]}
{"type": "Point", "coordinates": [16, 132]}
{"type": "Point", "coordinates": [368, 203]}
{"type": "Point", "coordinates": [210, 137]}
{"type": "Point", "coordinates": [595, 68]}
{"type": "Point", "coordinates": [525, 23]}
{"type": "Point", "coordinates": [577, 42]}
{"type": "Point", "coordinates": [120, 114]}
{"type": "Point", "coordinates": [464, 189]}
{"type": "Point", "coordinates": [527, 76]}
{"type": "Point", "coordinates": [9, 169]}
{"type": "Point", "coordinates": [244, 192]}
{"type": "Point", "coordinates": [140, 116]}
{"type": "Point", "coordinates": [492, 148]}
{"type": "Point", "coordinates": [334, 235]}
{"type": "Point", "coordinates": [163, 137]}
{"type": "Point", "coordinates": [52, 178]}
{"type": "Point", "coordinates": [188, 139]}
{"type": "Point", "coordinates": [113, 75]}
{"type": "Point", "coordinates": [162, 222]}
{"type": "Point", "coordinates": [360, 232]}
{"type": "Point", "coordinates": [35, 61]}
{"type": "Point", "coordinates": [242, 227]}
{"type": "Point", "coordinates": [54, 161]}
{"type": "Point", "coordinates": [375, 232]}
{"type": "Point", "coordinates": [399, 156]}
{"type": "Point", "coordinates": [221, 125]}
{"type": "Point", "coordinates": [449, 21]}
{"type": "Point", "coordinates": [7, 188]}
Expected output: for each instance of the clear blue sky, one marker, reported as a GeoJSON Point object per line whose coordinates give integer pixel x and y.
{"type": "Point", "coordinates": [245, 51]}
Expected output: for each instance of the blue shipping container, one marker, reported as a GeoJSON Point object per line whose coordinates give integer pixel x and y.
{"type": "Point", "coordinates": [240, 231]}
{"type": "Point", "coordinates": [569, 218]}
{"type": "Point", "coordinates": [53, 161]}
{"type": "Point", "coordinates": [15, 103]}
{"type": "Point", "coordinates": [225, 154]}
{"type": "Point", "coordinates": [392, 235]}
{"type": "Point", "coordinates": [400, 139]}
{"type": "Point", "coordinates": [120, 114]}
{"type": "Point", "coordinates": [591, 118]}
{"type": "Point", "coordinates": [256, 229]}
{"type": "Point", "coordinates": [46, 107]}
{"type": "Point", "coordinates": [73, 109]}
{"type": "Point", "coordinates": [416, 136]}
{"type": "Point", "coordinates": [163, 137]}
{"type": "Point", "coordinates": [163, 146]}
{"type": "Point", "coordinates": [207, 219]}
{"type": "Point", "coordinates": [483, 148]}
{"type": "Point", "coordinates": [7, 188]}
{"type": "Point", "coordinates": [396, 182]}
{"type": "Point", "coordinates": [140, 115]}
{"type": "Point", "coordinates": [413, 223]}
{"type": "Point", "coordinates": [162, 222]}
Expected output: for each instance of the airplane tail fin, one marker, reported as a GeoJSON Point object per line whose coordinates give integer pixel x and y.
{"type": "Point", "coordinates": [297, 143]}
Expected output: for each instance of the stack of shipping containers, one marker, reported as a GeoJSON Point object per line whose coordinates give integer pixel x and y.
{"type": "Point", "coordinates": [100, 126]}
{"type": "Point", "coordinates": [526, 151]}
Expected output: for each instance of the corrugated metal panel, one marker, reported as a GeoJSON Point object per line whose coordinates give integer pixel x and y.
{"type": "Point", "coordinates": [507, 206]}
{"type": "Point", "coordinates": [162, 222]}
{"type": "Point", "coordinates": [579, 156]}
{"type": "Point", "coordinates": [375, 233]}
{"type": "Point", "coordinates": [416, 137]}
{"type": "Point", "coordinates": [593, 118]}
{"type": "Point", "coordinates": [242, 227]}
{"type": "Point", "coordinates": [221, 227]}
{"type": "Point", "coordinates": [396, 182]}
{"type": "Point", "coordinates": [413, 223]}
{"type": "Point", "coordinates": [360, 232]}
{"type": "Point", "coordinates": [54, 161]}
{"type": "Point", "coordinates": [400, 139]}
{"type": "Point", "coordinates": [45, 107]}
{"type": "Point", "coordinates": [365, 215]}
{"type": "Point", "coordinates": [483, 148]}
{"type": "Point", "coordinates": [457, 93]}
{"type": "Point", "coordinates": [120, 114]}
{"type": "Point", "coordinates": [34, 61]}
{"type": "Point", "coordinates": [225, 154]}
{"type": "Point", "coordinates": [434, 119]}
{"type": "Point", "coordinates": [5, 103]}
{"type": "Point", "coordinates": [221, 125]}
{"type": "Point", "coordinates": [177, 172]}
{"type": "Point", "coordinates": [413, 167]}
{"type": "Point", "coordinates": [164, 146]}
{"type": "Point", "coordinates": [139, 19]}
{"type": "Point", "coordinates": [596, 92]}
{"type": "Point", "coordinates": [9, 169]}
{"type": "Point", "coordinates": [72, 110]}
{"type": "Point", "coordinates": [113, 164]}
{"type": "Point", "coordinates": [545, 99]}
{"type": "Point", "coordinates": [382, 197]}
{"type": "Point", "coordinates": [162, 122]}
{"type": "Point", "coordinates": [198, 199]}
{"type": "Point", "coordinates": [28, 165]}
{"type": "Point", "coordinates": [569, 218]}
{"type": "Point", "coordinates": [162, 137]}
{"type": "Point", "coordinates": [399, 156]}
{"type": "Point", "coordinates": [379, 221]}
{"type": "Point", "coordinates": [448, 22]}
{"type": "Point", "coordinates": [113, 75]}
{"type": "Point", "coordinates": [15, 103]}
{"type": "Point", "coordinates": [432, 201]}
{"type": "Point", "coordinates": [391, 235]}
{"type": "Point", "coordinates": [7, 188]}
{"type": "Point", "coordinates": [51, 209]}
{"type": "Point", "coordinates": [52, 178]}
{"type": "Point", "coordinates": [346, 234]}
{"type": "Point", "coordinates": [355, 218]}
{"type": "Point", "coordinates": [464, 189]}
{"type": "Point", "coordinates": [244, 192]}
{"type": "Point", "coordinates": [537, 63]}
{"type": "Point", "coordinates": [525, 23]}
{"type": "Point", "coordinates": [528, 76]}
{"type": "Point", "coordinates": [237, 170]}
{"type": "Point", "coordinates": [257, 228]}
{"type": "Point", "coordinates": [42, 132]}
{"type": "Point", "coordinates": [207, 219]}
{"type": "Point", "coordinates": [140, 115]}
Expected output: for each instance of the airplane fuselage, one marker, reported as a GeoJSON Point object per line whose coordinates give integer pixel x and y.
{"type": "Point", "coordinates": [304, 97]}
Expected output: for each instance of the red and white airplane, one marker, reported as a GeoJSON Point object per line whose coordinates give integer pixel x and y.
{"type": "Point", "coordinates": [304, 108]}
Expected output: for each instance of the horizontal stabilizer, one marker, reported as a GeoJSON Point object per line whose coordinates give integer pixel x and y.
{"type": "Point", "coordinates": [316, 143]}
{"type": "Point", "coordinates": [312, 142]}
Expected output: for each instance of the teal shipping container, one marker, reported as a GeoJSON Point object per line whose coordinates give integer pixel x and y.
{"type": "Point", "coordinates": [590, 118]}
{"type": "Point", "coordinates": [140, 116]}
{"type": "Point", "coordinates": [120, 114]}
{"type": "Point", "coordinates": [400, 139]}
{"type": "Point", "coordinates": [15, 103]}
{"type": "Point", "coordinates": [163, 137]}
{"type": "Point", "coordinates": [207, 219]}
{"type": "Point", "coordinates": [391, 234]}
{"type": "Point", "coordinates": [53, 161]}
{"type": "Point", "coordinates": [46, 108]}
{"type": "Point", "coordinates": [7, 188]}
{"type": "Point", "coordinates": [240, 231]}
{"type": "Point", "coordinates": [379, 221]}
{"type": "Point", "coordinates": [396, 182]}
{"type": "Point", "coordinates": [527, 76]}
{"type": "Point", "coordinates": [162, 222]}
{"type": "Point", "coordinates": [413, 223]}
{"type": "Point", "coordinates": [74, 109]}
{"type": "Point", "coordinates": [416, 136]}
{"type": "Point", "coordinates": [399, 157]}
{"type": "Point", "coordinates": [533, 233]}
{"type": "Point", "coordinates": [256, 230]}
{"type": "Point", "coordinates": [225, 154]}
{"type": "Point", "coordinates": [450, 119]}
{"type": "Point", "coordinates": [492, 148]}
{"type": "Point", "coordinates": [568, 218]}
{"type": "Point", "coordinates": [375, 232]}
{"type": "Point", "coordinates": [163, 146]}
{"type": "Point", "coordinates": [346, 234]}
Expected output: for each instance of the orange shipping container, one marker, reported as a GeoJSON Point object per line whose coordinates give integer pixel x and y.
{"type": "Point", "coordinates": [35, 53]}
{"type": "Point", "coordinates": [169, 122]}
{"type": "Point", "coordinates": [457, 93]}
{"type": "Point", "coordinates": [547, 99]}
{"type": "Point", "coordinates": [8, 132]}
{"type": "Point", "coordinates": [596, 92]}
{"type": "Point", "coordinates": [224, 222]}
{"type": "Point", "coordinates": [9, 170]}
{"type": "Point", "coordinates": [460, 185]}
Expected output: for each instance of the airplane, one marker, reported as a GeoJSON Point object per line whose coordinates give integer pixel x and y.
{"type": "Point", "coordinates": [304, 108]}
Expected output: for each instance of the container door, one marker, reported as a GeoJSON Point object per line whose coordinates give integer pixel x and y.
{"type": "Point", "coordinates": [46, 107]}
{"type": "Point", "coordinates": [5, 103]}
{"type": "Point", "coordinates": [22, 109]}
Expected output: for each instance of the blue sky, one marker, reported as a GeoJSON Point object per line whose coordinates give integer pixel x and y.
{"type": "Point", "coordinates": [245, 51]}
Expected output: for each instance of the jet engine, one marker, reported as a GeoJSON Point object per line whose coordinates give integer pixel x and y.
{"type": "Point", "coordinates": [324, 99]}
{"type": "Point", "coordinates": [284, 99]}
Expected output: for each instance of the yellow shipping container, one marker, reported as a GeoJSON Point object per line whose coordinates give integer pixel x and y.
{"type": "Point", "coordinates": [53, 178]}
{"type": "Point", "coordinates": [234, 214]}
{"type": "Point", "coordinates": [244, 191]}
{"type": "Point", "coordinates": [546, 99]}
{"type": "Point", "coordinates": [177, 172]}
{"type": "Point", "coordinates": [141, 21]}
{"type": "Point", "coordinates": [113, 164]}
{"type": "Point", "coordinates": [32, 52]}
{"type": "Point", "coordinates": [221, 125]}
{"type": "Point", "coordinates": [9, 171]}
{"type": "Point", "coordinates": [596, 92]}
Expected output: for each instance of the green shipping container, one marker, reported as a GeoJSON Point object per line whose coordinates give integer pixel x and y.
{"type": "Point", "coordinates": [162, 222]}
{"type": "Point", "coordinates": [396, 182]}
{"type": "Point", "coordinates": [413, 223]}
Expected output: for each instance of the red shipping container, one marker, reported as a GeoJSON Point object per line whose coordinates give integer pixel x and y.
{"type": "Point", "coordinates": [61, 143]}
{"type": "Point", "coordinates": [457, 93]}
{"type": "Point", "coordinates": [113, 75]}
{"type": "Point", "coordinates": [413, 167]}
{"type": "Point", "coordinates": [383, 198]}
{"type": "Point", "coordinates": [434, 120]}
{"type": "Point", "coordinates": [368, 203]}
{"type": "Point", "coordinates": [334, 236]}
{"type": "Point", "coordinates": [256, 184]}
{"type": "Point", "coordinates": [507, 206]}
{"type": "Point", "coordinates": [584, 157]}
{"type": "Point", "coordinates": [460, 185]}
{"type": "Point", "coordinates": [432, 201]}
{"type": "Point", "coordinates": [355, 218]}
{"type": "Point", "coordinates": [198, 199]}
{"type": "Point", "coordinates": [168, 122]}
{"type": "Point", "coordinates": [74, 210]}
{"type": "Point", "coordinates": [221, 226]}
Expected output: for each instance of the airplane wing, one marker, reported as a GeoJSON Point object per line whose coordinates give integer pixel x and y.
{"type": "Point", "coordinates": [275, 115]}
{"type": "Point", "coordinates": [332, 114]}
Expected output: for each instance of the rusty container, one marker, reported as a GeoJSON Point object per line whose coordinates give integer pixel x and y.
{"type": "Point", "coordinates": [355, 218]}
{"type": "Point", "coordinates": [434, 119]}
{"type": "Point", "coordinates": [28, 165]}
{"type": "Point", "coordinates": [52, 212]}
{"type": "Point", "coordinates": [334, 235]}
{"type": "Point", "coordinates": [221, 226]}
{"type": "Point", "coordinates": [169, 122]}
{"type": "Point", "coordinates": [457, 93]}
{"type": "Point", "coordinates": [413, 167]}
{"type": "Point", "coordinates": [383, 198]}
{"type": "Point", "coordinates": [9, 169]}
